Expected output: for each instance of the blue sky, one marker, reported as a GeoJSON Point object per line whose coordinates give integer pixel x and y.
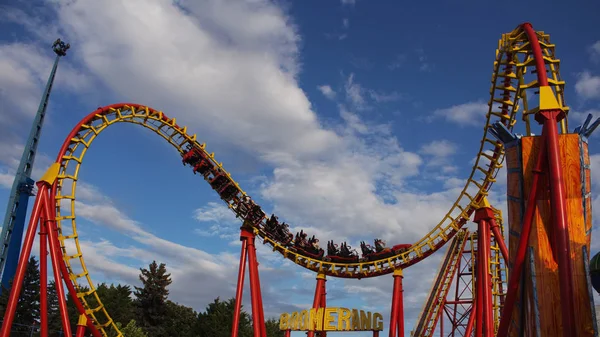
{"type": "Point", "coordinates": [350, 119]}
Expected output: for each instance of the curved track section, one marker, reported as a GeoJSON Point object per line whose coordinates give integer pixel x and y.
{"type": "Point", "coordinates": [517, 52]}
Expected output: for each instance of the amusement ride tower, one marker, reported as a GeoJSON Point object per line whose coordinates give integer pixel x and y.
{"type": "Point", "coordinates": [22, 188]}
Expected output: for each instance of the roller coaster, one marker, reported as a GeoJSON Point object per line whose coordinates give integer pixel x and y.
{"type": "Point", "coordinates": [525, 83]}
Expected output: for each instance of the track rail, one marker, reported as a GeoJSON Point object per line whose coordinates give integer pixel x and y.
{"type": "Point", "coordinates": [509, 87]}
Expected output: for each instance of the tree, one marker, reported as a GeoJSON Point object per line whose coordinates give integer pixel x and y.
{"type": "Point", "coordinates": [132, 330]}
{"type": "Point", "coordinates": [272, 327]}
{"type": "Point", "coordinates": [180, 320]}
{"type": "Point", "coordinates": [28, 308]}
{"type": "Point", "coordinates": [218, 319]}
{"type": "Point", "coordinates": [151, 303]}
{"type": "Point", "coordinates": [54, 320]}
{"type": "Point", "coordinates": [117, 301]}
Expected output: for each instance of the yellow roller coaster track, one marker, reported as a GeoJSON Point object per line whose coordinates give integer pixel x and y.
{"type": "Point", "coordinates": [509, 86]}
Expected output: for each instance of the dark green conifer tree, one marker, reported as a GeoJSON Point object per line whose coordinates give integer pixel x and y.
{"type": "Point", "coordinates": [151, 299]}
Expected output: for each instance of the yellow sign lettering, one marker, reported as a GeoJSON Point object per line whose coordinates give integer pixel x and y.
{"type": "Point", "coordinates": [331, 319]}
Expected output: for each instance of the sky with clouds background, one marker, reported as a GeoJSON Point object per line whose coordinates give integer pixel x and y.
{"type": "Point", "coordinates": [350, 119]}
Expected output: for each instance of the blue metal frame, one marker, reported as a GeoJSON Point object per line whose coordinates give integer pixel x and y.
{"type": "Point", "coordinates": [22, 188]}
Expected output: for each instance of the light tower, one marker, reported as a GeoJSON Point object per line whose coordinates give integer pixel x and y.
{"type": "Point", "coordinates": [22, 188]}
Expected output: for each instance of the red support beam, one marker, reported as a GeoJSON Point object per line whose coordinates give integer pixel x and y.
{"type": "Point", "coordinates": [469, 328]}
{"type": "Point", "coordinates": [495, 228]}
{"type": "Point", "coordinates": [240, 288]}
{"type": "Point", "coordinates": [43, 279]}
{"type": "Point", "coordinates": [517, 269]}
{"type": "Point", "coordinates": [319, 297]}
{"type": "Point", "coordinates": [15, 291]}
{"type": "Point", "coordinates": [397, 315]}
{"type": "Point", "coordinates": [485, 320]}
{"type": "Point", "coordinates": [559, 217]}
{"type": "Point", "coordinates": [55, 257]}
{"type": "Point", "coordinates": [81, 326]}
{"type": "Point", "coordinates": [257, 309]}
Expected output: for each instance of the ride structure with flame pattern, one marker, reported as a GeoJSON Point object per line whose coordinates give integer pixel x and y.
{"type": "Point", "coordinates": [525, 83]}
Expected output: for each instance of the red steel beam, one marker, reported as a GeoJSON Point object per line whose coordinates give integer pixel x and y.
{"type": "Point", "coordinates": [43, 279]}
{"type": "Point", "coordinates": [240, 288]}
{"type": "Point", "coordinates": [15, 291]}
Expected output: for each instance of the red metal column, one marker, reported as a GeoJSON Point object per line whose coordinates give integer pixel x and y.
{"type": "Point", "coordinates": [81, 326]}
{"type": "Point", "coordinates": [517, 270]}
{"type": "Point", "coordinates": [254, 284]}
{"type": "Point", "coordinates": [319, 289]}
{"type": "Point", "coordinates": [487, 278]}
{"type": "Point", "coordinates": [397, 319]}
{"type": "Point", "coordinates": [240, 288]}
{"type": "Point", "coordinates": [15, 291]}
{"type": "Point", "coordinates": [287, 333]}
{"type": "Point", "coordinates": [478, 303]}
{"type": "Point", "coordinates": [56, 259]}
{"type": "Point", "coordinates": [323, 303]}
{"type": "Point", "coordinates": [484, 287]}
{"type": "Point", "coordinates": [469, 328]}
{"type": "Point", "coordinates": [495, 228]}
{"type": "Point", "coordinates": [43, 278]}
{"type": "Point", "coordinates": [559, 217]}
{"type": "Point", "coordinates": [550, 113]}
{"type": "Point", "coordinates": [260, 302]}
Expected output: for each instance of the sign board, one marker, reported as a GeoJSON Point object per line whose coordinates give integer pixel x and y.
{"type": "Point", "coordinates": [331, 319]}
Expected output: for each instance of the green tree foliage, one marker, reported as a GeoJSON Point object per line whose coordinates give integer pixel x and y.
{"type": "Point", "coordinates": [217, 320]}
{"type": "Point", "coordinates": [54, 320]}
{"type": "Point", "coordinates": [28, 309]}
{"type": "Point", "coordinates": [272, 327]}
{"type": "Point", "coordinates": [132, 330]}
{"type": "Point", "coordinates": [150, 314]}
{"type": "Point", "coordinates": [180, 320]}
{"type": "Point", "coordinates": [151, 299]}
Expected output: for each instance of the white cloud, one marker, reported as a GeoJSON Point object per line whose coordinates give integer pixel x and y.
{"type": "Point", "coordinates": [588, 85]}
{"type": "Point", "coordinates": [327, 91]}
{"type": "Point", "coordinates": [346, 23]}
{"type": "Point", "coordinates": [470, 113]}
{"type": "Point", "coordinates": [594, 50]}
{"type": "Point", "coordinates": [348, 2]}
{"type": "Point", "coordinates": [354, 93]}
{"type": "Point", "coordinates": [438, 152]}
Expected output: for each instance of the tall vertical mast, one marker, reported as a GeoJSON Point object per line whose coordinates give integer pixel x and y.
{"type": "Point", "coordinates": [22, 189]}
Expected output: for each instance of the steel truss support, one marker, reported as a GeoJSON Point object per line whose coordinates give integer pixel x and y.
{"type": "Point", "coordinates": [43, 216]}
{"type": "Point", "coordinates": [397, 314]}
{"type": "Point", "coordinates": [258, 317]}
{"type": "Point", "coordinates": [459, 311]}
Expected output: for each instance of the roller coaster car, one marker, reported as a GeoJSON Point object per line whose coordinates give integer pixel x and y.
{"type": "Point", "coordinates": [255, 213]}
{"type": "Point", "coordinates": [308, 247]}
{"type": "Point", "coordinates": [278, 231]}
{"type": "Point", "coordinates": [219, 181]}
{"type": "Point", "coordinates": [380, 251]}
{"type": "Point", "coordinates": [192, 156]}
{"type": "Point", "coordinates": [343, 254]}
{"type": "Point", "coordinates": [229, 192]}
{"type": "Point", "coordinates": [203, 166]}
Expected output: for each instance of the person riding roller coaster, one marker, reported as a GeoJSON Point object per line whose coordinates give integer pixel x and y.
{"type": "Point", "coordinates": [192, 156]}
{"type": "Point", "coordinates": [278, 231]}
{"type": "Point", "coordinates": [380, 250]}
{"type": "Point", "coordinates": [343, 254]}
{"type": "Point", "coordinates": [310, 247]}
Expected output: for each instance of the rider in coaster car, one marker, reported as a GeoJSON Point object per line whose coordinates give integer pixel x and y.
{"type": "Point", "coordinates": [331, 248]}
{"type": "Point", "coordinates": [379, 245]}
{"type": "Point", "coordinates": [271, 223]}
{"type": "Point", "coordinates": [366, 249]}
